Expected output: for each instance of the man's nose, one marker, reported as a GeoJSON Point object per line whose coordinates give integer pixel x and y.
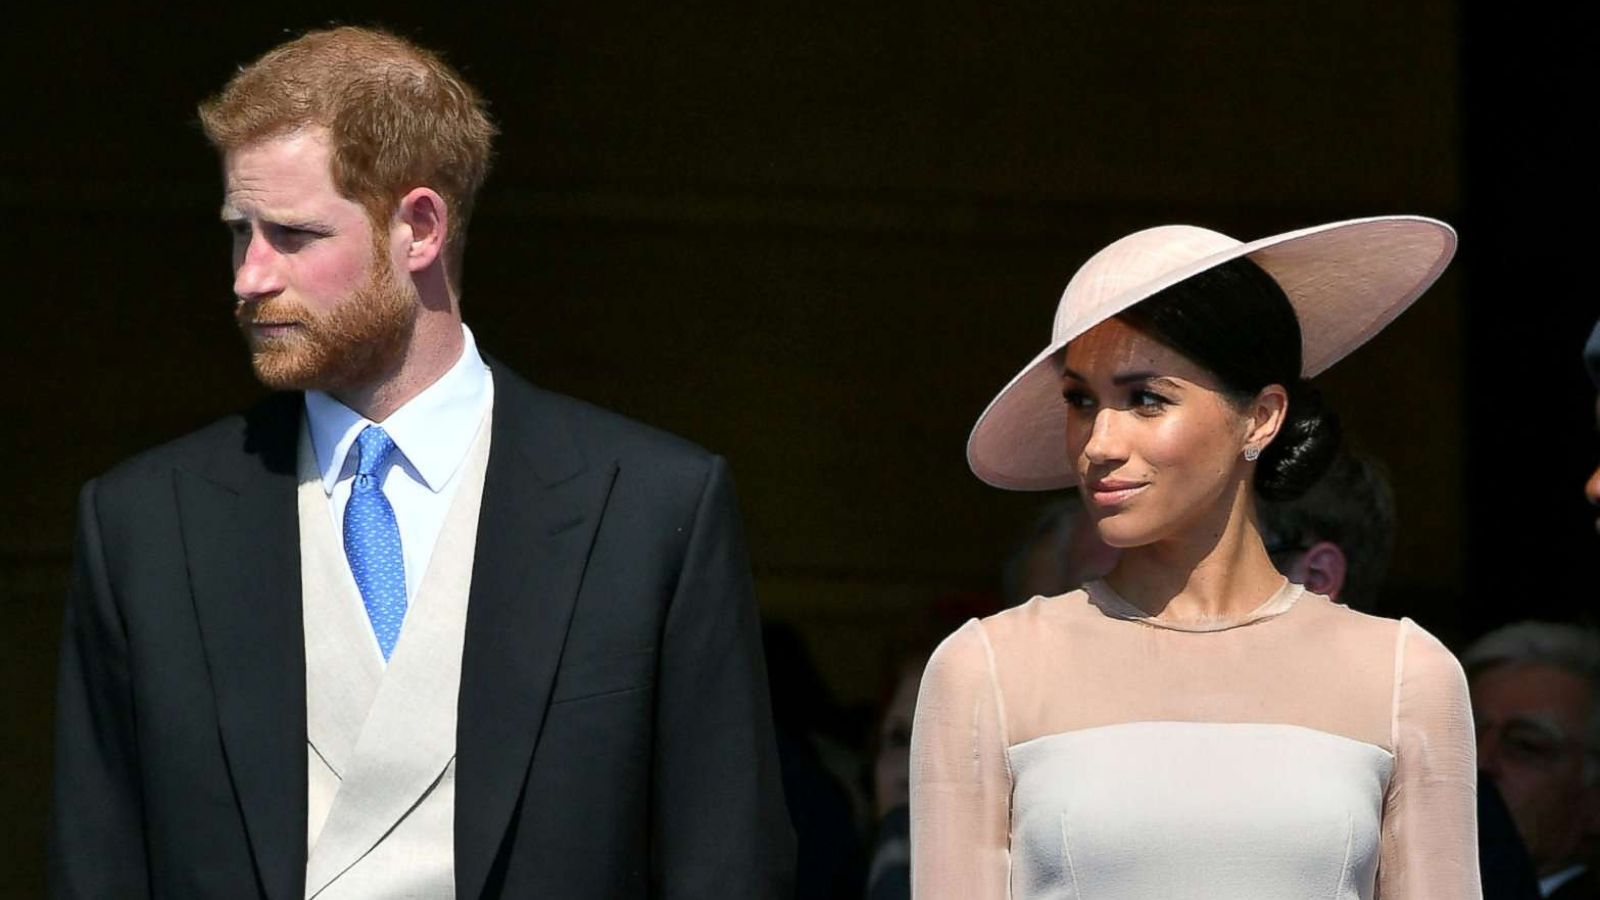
{"type": "Point", "coordinates": [257, 270]}
{"type": "Point", "coordinates": [1592, 489]}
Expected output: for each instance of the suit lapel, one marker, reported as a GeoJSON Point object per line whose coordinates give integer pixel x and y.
{"type": "Point", "coordinates": [241, 541]}
{"type": "Point", "coordinates": [542, 504]}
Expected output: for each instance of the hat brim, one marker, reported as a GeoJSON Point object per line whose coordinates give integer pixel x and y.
{"type": "Point", "coordinates": [1346, 281]}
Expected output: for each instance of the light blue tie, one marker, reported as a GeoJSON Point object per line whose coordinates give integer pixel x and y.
{"type": "Point", "coordinates": [372, 541]}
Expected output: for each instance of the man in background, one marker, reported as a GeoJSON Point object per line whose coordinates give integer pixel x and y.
{"type": "Point", "coordinates": [411, 626]}
{"type": "Point", "coordinates": [1060, 552]}
{"type": "Point", "coordinates": [1536, 702]}
{"type": "Point", "coordinates": [1337, 538]}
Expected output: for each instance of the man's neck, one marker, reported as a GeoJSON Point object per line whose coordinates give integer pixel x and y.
{"type": "Point", "coordinates": [427, 358]}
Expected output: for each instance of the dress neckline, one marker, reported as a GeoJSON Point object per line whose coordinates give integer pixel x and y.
{"type": "Point", "coordinates": [1108, 601]}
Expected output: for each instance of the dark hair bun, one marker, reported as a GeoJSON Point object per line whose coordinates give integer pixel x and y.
{"type": "Point", "coordinates": [1304, 448]}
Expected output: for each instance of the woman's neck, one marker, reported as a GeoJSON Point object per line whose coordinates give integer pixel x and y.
{"type": "Point", "coordinates": [1214, 569]}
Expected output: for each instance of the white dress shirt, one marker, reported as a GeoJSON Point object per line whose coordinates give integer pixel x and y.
{"type": "Point", "coordinates": [432, 433]}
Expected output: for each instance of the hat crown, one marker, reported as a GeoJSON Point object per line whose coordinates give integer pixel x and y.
{"type": "Point", "coordinates": [1130, 264]}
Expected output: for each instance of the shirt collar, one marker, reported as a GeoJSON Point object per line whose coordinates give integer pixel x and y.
{"type": "Point", "coordinates": [1549, 883]}
{"type": "Point", "coordinates": [433, 430]}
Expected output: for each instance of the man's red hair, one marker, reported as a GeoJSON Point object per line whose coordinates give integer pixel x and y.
{"type": "Point", "coordinates": [397, 116]}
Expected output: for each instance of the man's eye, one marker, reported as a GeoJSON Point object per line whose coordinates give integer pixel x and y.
{"type": "Point", "coordinates": [1538, 746]}
{"type": "Point", "coordinates": [290, 237]}
{"type": "Point", "coordinates": [1531, 743]}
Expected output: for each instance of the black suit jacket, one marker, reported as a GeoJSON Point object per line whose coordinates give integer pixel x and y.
{"type": "Point", "coordinates": [1503, 861]}
{"type": "Point", "coordinates": [613, 739]}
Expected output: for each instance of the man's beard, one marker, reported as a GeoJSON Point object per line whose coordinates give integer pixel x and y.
{"type": "Point", "coordinates": [356, 345]}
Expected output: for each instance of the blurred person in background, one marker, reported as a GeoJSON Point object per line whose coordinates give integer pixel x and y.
{"type": "Point", "coordinates": [1591, 360]}
{"type": "Point", "coordinates": [1536, 702]}
{"type": "Point", "coordinates": [819, 764]}
{"type": "Point", "coordinates": [1336, 539]}
{"type": "Point", "coordinates": [889, 871]}
{"type": "Point", "coordinates": [1060, 553]}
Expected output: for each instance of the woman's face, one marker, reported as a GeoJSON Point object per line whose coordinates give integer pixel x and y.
{"type": "Point", "coordinates": [1155, 443]}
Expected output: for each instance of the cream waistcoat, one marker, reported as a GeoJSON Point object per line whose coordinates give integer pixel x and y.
{"type": "Point", "coordinates": [381, 743]}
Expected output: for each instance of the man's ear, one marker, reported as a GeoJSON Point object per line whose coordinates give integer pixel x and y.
{"type": "Point", "coordinates": [1325, 567]}
{"type": "Point", "coordinates": [424, 223]}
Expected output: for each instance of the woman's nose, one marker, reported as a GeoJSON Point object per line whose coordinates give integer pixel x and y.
{"type": "Point", "coordinates": [1104, 443]}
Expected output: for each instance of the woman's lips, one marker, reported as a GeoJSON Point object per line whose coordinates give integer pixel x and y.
{"type": "Point", "coordinates": [1112, 493]}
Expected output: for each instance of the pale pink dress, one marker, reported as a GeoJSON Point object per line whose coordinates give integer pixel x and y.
{"type": "Point", "coordinates": [1075, 748]}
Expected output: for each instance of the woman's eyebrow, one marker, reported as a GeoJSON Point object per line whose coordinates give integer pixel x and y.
{"type": "Point", "coordinates": [1122, 378]}
{"type": "Point", "coordinates": [1130, 377]}
{"type": "Point", "coordinates": [1127, 378]}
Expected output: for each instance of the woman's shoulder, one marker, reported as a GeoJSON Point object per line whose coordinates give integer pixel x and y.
{"type": "Point", "coordinates": [1336, 620]}
{"type": "Point", "coordinates": [1403, 632]}
{"type": "Point", "coordinates": [1412, 653]}
{"type": "Point", "coordinates": [1058, 618]}
{"type": "Point", "coordinates": [1010, 632]}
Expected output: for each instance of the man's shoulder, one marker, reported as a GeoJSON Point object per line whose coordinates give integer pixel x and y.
{"type": "Point", "coordinates": [596, 433]}
{"type": "Point", "coordinates": [268, 424]}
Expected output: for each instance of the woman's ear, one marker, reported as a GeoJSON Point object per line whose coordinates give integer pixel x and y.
{"type": "Point", "coordinates": [1267, 412]}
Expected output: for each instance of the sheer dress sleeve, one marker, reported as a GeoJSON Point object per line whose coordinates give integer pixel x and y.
{"type": "Point", "coordinates": [1430, 829]}
{"type": "Point", "coordinates": [960, 776]}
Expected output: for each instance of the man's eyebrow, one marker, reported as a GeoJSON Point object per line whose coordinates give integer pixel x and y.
{"type": "Point", "coordinates": [232, 216]}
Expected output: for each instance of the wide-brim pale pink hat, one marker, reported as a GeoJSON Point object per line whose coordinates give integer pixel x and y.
{"type": "Point", "coordinates": [1346, 280]}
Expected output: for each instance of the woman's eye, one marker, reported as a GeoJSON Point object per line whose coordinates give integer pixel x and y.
{"type": "Point", "coordinates": [1146, 401]}
{"type": "Point", "coordinates": [1076, 399]}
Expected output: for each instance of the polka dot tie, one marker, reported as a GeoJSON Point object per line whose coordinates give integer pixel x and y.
{"type": "Point", "coordinates": [372, 541]}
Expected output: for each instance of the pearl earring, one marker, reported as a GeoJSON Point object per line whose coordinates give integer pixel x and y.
{"type": "Point", "coordinates": [1251, 454]}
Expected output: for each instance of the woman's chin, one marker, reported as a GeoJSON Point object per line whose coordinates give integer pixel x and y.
{"type": "Point", "coordinates": [1123, 531]}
